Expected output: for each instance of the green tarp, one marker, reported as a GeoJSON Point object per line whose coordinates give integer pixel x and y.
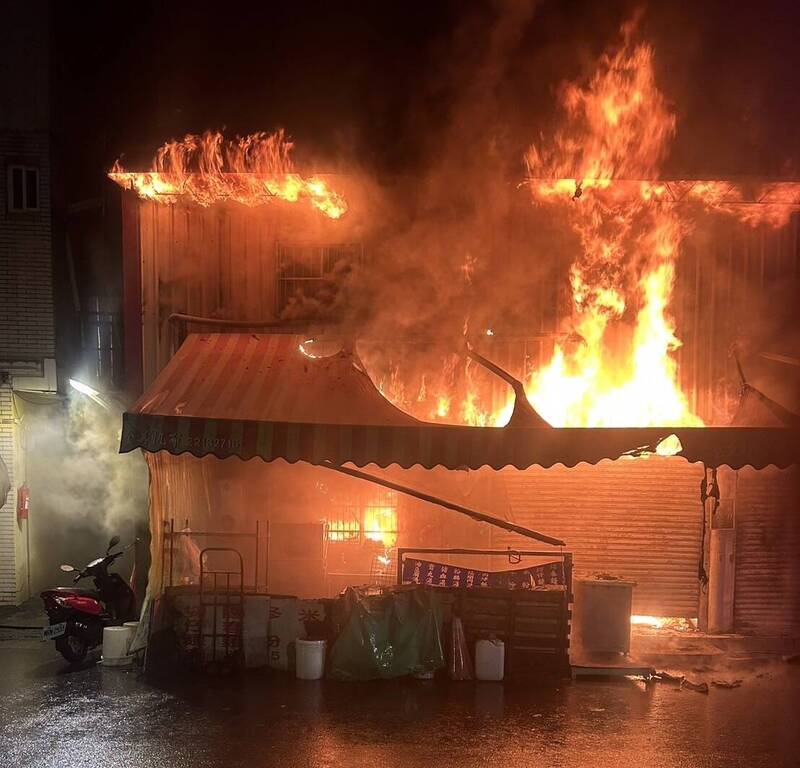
{"type": "Point", "coordinates": [388, 635]}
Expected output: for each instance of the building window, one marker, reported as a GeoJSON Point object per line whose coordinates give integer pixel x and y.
{"type": "Point", "coordinates": [308, 278]}
{"type": "Point", "coordinates": [372, 518]}
{"type": "Point", "coordinates": [23, 188]}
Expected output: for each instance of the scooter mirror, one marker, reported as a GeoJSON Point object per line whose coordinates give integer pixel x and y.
{"type": "Point", "coordinates": [67, 568]}
{"type": "Point", "coordinates": [113, 543]}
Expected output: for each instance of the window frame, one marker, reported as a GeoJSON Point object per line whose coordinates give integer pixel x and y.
{"type": "Point", "coordinates": [348, 521]}
{"type": "Point", "coordinates": [24, 169]}
{"type": "Point", "coordinates": [309, 263]}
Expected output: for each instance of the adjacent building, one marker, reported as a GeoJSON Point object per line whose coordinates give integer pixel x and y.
{"type": "Point", "coordinates": [27, 329]}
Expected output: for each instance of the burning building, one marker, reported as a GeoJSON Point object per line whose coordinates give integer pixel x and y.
{"type": "Point", "coordinates": [568, 356]}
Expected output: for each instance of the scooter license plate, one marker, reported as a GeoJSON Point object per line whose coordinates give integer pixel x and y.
{"type": "Point", "coordinates": [54, 631]}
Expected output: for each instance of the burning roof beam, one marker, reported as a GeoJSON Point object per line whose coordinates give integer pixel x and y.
{"type": "Point", "coordinates": [524, 414]}
{"type": "Point", "coordinates": [745, 192]}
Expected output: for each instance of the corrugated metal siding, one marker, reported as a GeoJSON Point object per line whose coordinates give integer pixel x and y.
{"type": "Point", "coordinates": [220, 261]}
{"type": "Point", "coordinates": [639, 519]}
{"type": "Point", "coordinates": [767, 586]}
{"type": "Point", "coordinates": [735, 284]}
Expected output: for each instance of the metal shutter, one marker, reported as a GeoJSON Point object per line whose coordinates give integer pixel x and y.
{"type": "Point", "coordinates": [639, 519]}
{"type": "Point", "coordinates": [767, 585]}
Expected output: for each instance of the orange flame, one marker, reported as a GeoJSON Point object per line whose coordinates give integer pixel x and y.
{"type": "Point", "coordinates": [250, 170]}
{"type": "Point", "coordinates": [379, 523]}
{"type": "Point", "coordinates": [602, 171]}
{"type": "Point", "coordinates": [618, 125]}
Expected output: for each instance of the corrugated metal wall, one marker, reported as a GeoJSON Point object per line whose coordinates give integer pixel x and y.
{"type": "Point", "coordinates": [735, 285]}
{"type": "Point", "coordinates": [220, 261]}
{"type": "Point", "coordinates": [767, 587]}
{"type": "Point", "coordinates": [639, 519]}
{"type": "Point", "coordinates": [207, 262]}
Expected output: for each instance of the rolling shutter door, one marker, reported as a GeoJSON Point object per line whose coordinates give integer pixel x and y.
{"type": "Point", "coordinates": [767, 581]}
{"type": "Point", "coordinates": [638, 519]}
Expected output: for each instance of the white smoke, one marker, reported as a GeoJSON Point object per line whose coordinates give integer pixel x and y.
{"type": "Point", "coordinates": [83, 491]}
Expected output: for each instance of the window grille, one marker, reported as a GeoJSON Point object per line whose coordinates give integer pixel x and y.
{"type": "Point", "coordinates": [23, 188]}
{"type": "Point", "coordinates": [371, 518]}
{"type": "Point", "coordinates": [346, 526]}
{"type": "Point", "coordinates": [309, 273]}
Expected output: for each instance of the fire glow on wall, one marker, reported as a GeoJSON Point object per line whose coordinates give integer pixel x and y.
{"type": "Point", "coordinates": [600, 173]}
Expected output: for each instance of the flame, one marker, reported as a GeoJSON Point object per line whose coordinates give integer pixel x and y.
{"type": "Point", "coordinates": [601, 171]}
{"type": "Point", "coordinates": [378, 523]}
{"type": "Point", "coordinates": [622, 372]}
{"type": "Point", "coordinates": [442, 407]}
{"type": "Point", "coordinates": [618, 124]}
{"type": "Point", "coordinates": [661, 622]}
{"type": "Point", "coordinates": [251, 170]}
{"type": "Point", "coordinates": [380, 520]}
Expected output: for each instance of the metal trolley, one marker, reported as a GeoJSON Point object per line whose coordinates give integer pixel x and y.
{"type": "Point", "coordinates": [221, 615]}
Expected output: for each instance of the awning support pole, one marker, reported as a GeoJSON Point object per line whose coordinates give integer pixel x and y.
{"type": "Point", "coordinates": [471, 513]}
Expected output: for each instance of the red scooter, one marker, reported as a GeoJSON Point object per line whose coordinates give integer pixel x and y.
{"type": "Point", "coordinates": [78, 616]}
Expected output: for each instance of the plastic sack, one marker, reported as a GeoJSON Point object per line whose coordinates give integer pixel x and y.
{"type": "Point", "coordinates": [392, 634]}
{"type": "Point", "coordinates": [460, 661]}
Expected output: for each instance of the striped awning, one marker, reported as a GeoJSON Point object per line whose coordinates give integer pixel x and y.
{"type": "Point", "coordinates": [257, 395]}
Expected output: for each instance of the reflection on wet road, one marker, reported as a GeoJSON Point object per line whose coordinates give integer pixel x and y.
{"type": "Point", "coordinates": [110, 717]}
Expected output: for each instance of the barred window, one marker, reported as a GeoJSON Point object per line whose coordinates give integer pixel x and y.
{"type": "Point", "coordinates": [372, 518]}
{"type": "Point", "coordinates": [309, 277]}
{"type": "Point", "coordinates": [23, 188]}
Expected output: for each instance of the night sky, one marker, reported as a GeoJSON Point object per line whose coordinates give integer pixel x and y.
{"type": "Point", "coordinates": [375, 83]}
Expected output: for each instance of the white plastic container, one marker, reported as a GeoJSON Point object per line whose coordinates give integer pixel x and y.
{"type": "Point", "coordinates": [490, 656]}
{"type": "Point", "coordinates": [134, 625]}
{"type": "Point", "coordinates": [309, 659]}
{"type": "Point", "coordinates": [116, 641]}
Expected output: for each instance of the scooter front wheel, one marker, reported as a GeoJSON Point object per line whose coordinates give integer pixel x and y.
{"type": "Point", "coordinates": [73, 648]}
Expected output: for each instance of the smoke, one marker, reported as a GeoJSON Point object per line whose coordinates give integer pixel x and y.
{"type": "Point", "coordinates": [438, 231]}
{"type": "Point", "coordinates": [438, 258]}
{"type": "Point", "coordinates": [444, 259]}
{"type": "Point", "coordinates": [82, 490]}
{"type": "Point", "coordinates": [447, 256]}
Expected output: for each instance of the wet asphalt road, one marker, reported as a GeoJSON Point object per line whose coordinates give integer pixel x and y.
{"type": "Point", "coordinates": [106, 717]}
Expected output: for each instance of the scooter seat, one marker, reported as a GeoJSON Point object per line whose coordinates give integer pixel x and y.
{"type": "Point", "coordinates": [78, 591]}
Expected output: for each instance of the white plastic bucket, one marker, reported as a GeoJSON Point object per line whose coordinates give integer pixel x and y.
{"type": "Point", "coordinates": [490, 658]}
{"type": "Point", "coordinates": [116, 641]}
{"type": "Point", "coordinates": [134, 625]}
{"type": "Point", "coordinates": [309, 659]}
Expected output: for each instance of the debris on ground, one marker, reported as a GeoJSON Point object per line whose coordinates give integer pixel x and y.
{"type": "Point", "coordinates": [726, 683]}
{"type": "Point", "coordinates": [692, 686]}
{"type": "Point", "coordinates": [666, 677]}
